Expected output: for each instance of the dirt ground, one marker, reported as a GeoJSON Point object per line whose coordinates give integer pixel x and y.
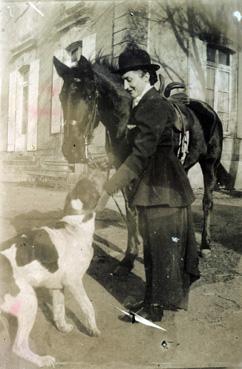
{"type": "Point", "coordinates": [209, 334]}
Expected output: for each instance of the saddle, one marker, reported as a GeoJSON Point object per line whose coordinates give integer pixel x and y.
{"type": "Point", "coordinates": [179, 102]}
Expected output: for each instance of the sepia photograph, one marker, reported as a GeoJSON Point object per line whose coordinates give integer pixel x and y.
{"type": "Point", "coordinates": [121, 184]}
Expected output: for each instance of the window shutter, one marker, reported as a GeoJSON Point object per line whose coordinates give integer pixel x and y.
{"type": "Point", "coordinates": [33, 105]}
{"type": "Point", "coordinates": [19, 138]}
{"type": "Point", "coordinates": [12, 110]}
{"type": "Point", "coordinates": [56, 109]}
{"type": "Point", "coordinates": [89, 46]}
{"type": "Point", "coordinates": [0, 95]}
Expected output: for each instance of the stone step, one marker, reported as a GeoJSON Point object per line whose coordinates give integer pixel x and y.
{"type": "Point", "coordinates": [18, 168]}
{"type": "Point", "coordinates": [16, 162]}
{"type": "Point", "coordinates": [56, 165]}
{"type": "Point", "coordinates": [50, 178]}
{"type": "Point", "coordinates": [22, 168]}
{"type": "Point", "coordinates": [9, 156]}
{"type": "Point", "coordinates": [54, 169]}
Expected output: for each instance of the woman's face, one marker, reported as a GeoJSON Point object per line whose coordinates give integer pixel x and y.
{"type": "Point", "coordinates": [135, 82]}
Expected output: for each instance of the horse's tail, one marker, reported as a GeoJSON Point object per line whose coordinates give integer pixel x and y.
{"type": "Point", "coordinates": [210, 122]}
{"type": "Point", "coordinates": [224, 178]}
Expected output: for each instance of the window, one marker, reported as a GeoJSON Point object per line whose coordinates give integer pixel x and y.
{"type": "Point", "coordinates": [24, 72]}
{"type": "Point", "coordinates": [211, 54]}
{"type": "Point", "coordinates": [217, 56]}
{"type": "Point", "coordinates": [223, 58]}
{"type": "Point", "coordinates": [74, 51]}
{"type": "Point", "coordinates": [218, 83]}
{"type": "Point", "coordinates": [23, 107]}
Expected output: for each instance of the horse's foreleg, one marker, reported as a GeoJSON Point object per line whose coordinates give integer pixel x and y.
{"type": "Point", "coordinates": [134, 240]}
{"type": "Point", "coordinates": [209, 177]}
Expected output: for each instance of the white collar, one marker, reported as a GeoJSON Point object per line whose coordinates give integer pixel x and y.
{"type": "Point", "coordinates": [138, 98]}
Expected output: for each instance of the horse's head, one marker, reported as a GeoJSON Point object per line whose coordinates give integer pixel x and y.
{"type": "Point", "coordinates": [78, 100]}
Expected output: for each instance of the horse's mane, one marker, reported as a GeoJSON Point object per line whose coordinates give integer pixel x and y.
{"type": "Point", "coordinates": [110, 86]}
{"type": "Point", "coordinates": [108, 79]}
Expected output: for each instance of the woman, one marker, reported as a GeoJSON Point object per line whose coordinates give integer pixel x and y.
{"type": "Point", "coordinates": [159, 188]}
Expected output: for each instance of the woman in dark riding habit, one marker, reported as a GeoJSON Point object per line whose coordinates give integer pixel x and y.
{"type": "Point", "coordinates": [158, 186]}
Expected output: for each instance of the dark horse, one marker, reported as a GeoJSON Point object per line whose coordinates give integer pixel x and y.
{"type": "Point", "coordinates": [92, 93]}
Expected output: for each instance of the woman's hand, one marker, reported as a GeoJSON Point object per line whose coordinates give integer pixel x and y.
{"type": "Point", "coordinates": [103, 163]}
{"type": "Point", "coordinates": [102, 201]}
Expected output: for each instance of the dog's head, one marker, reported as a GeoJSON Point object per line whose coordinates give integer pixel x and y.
{"type": "Point", "coordinates": [85, 195]}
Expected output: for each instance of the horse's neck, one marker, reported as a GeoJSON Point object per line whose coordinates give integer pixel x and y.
{"type": "Point", "coordinates": [113, 106]}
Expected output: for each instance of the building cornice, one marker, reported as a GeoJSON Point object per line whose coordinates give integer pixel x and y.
{"type": "Point", "coordinates": [24, 46]}
{"type": "Point", "coordinates": [218, 41]}
{"type": "Point", "coordinates": [72, 17]}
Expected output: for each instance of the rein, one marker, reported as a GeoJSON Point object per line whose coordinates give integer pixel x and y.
{"type": "Point", "coordinates": [116, 202]}
{"type": "Point", "coordinates": [90, 125]}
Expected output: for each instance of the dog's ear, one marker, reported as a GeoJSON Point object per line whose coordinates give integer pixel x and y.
{"type": "Point", "coordinates": [86, 191]}
{"type": "Point", "coordinates": [98, 177]}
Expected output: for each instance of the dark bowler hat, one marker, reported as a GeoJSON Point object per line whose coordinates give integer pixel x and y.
{"type": "Point", "coordinates": [134, 58]}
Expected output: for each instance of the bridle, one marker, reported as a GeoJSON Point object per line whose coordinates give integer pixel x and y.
{"type": "Point", "coordinates": [88, 128]}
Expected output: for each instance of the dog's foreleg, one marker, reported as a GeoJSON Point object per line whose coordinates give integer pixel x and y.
{"type": "Point", "coordinates": [58, 301]}
{"type": "Point", "coordinates": [26, 313]}
{"type": "Point", "coordinates": [78, 291]}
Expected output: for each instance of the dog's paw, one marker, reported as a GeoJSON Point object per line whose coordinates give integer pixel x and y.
{"type": "Point", "coordinates": [67, 328]}
{"type": "Point", "coordinates": [46, 361]}
{"type": "Point", "coordinates": [94, 332]}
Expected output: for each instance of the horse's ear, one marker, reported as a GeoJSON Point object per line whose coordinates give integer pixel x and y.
{"type": "Point", "coordinates": [61, 68]}
{"type": "Point", "coordinates": [86, 67]}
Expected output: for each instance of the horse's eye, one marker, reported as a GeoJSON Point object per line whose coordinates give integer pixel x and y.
{"type": "Point", "coordinates": [77, 79]}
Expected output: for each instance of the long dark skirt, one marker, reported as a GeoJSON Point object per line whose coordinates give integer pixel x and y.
{"type": "Point", "coordinates": [170, 255]}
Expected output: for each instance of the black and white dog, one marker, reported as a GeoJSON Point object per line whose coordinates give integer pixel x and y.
{"type": "Point", "coordinates": [54, 258]}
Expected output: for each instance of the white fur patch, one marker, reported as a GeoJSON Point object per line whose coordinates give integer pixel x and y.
{"type": "Point", "coordinates": [76, 204]}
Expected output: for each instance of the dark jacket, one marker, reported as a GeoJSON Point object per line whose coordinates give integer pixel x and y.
{"type": "Point", "coordinates": [151, 171]}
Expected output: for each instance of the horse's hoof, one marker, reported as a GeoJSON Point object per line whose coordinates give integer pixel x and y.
{"type": "Point", "coordinates": [122, 271]}
{"type": "Point", "coordinates": [205, 253]}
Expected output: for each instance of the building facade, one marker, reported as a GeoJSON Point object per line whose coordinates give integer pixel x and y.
{"type": "Point", "coordinates": [31, 115]}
